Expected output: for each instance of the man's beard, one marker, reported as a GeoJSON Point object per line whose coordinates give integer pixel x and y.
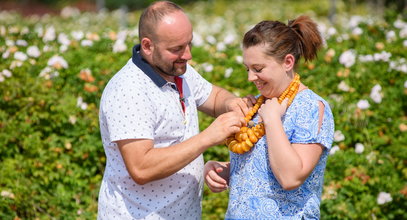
{"type": "Point", "coordinates": [168, 69]}
{"type": "Point", "coordinates": [171, 71]}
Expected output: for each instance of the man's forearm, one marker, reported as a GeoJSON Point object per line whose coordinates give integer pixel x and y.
{"type": "Point", "coordinates": [221, 100]}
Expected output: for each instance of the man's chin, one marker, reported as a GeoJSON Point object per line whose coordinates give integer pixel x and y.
{"type": "Point", "coordinates": [180, 71]}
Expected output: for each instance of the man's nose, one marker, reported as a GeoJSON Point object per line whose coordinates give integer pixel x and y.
{"type": "Point", "coordinates": [187, 53]}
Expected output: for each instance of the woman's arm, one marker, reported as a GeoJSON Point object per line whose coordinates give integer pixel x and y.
{"type": "Point", "coordinates": [291, 163]}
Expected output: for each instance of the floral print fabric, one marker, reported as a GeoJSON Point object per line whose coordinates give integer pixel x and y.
{"type": "Point", "coordinates": [254, 191]}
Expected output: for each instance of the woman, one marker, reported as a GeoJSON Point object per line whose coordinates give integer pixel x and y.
{"type": "Point", "coordinates": [281, 175]}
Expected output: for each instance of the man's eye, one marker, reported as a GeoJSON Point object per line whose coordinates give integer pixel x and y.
{"type": "Point", "coordinates": [175, 50]}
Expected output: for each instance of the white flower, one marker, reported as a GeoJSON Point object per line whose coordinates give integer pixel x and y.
{"type": "Point", "coordinates": [229, 39]}
{"type": "Point", "coordinates": [119, 46]}
{"type": "Point", "coordinates": [220, 46]}
{"type": "Point", "coordinates": [331, 31]}
{"type": "Point", "coordinates": [57, 62]}
{"type": "Point", "coordinates": [6, 54]}
{"type": "Point", "coordinates": [348, 58]}
{"type": "Point", "coordinates": [403, 32]}
{"type": "Point", "coordinates": [86, 43]}
{"type": "Point", "coordinates": [6, 73]}
{"type": "Point", "coordinates": [336, 97]}
{"type": "Point", "coordinates": [20, 56]}
{"type": "Point", "coordinates": [363, 104]}
{"type": "Point", "coordinates": [383, 56]}
{"type": "Point", "coordinates": [334, 149]}
{"type": "Point", "coordinates": [16, 63]}
{"type": "Point", "coordinates": [338, 136]}
{"type": "Point", "coordinates": [399, 65]}
{"type": "Point", "coordinates": [345, 37]}
{"type": "Point", "coordinates": [366, 58]}
{"type": "Point", "coordinates": [45, 72]}
{"type": "Point", "coordinates": [391, 36]}
{"type": "Point", "coordinates": [239, 59]}
{"type": "Point", "coordinates": [343, 86]}
{"type": "Point", "coordinates": [63, 48]}
{"type": "Point", "coordinates": [72, 119]}
{"type": "Point", "coordinates": [211, 39]}
{"type": "Point", "coordinates": [399, 24]}
{"type": "Point", "coordinates": [10, 43]}
{"type": "Point", "coordinates": [33, 51]}
{"type": "Point", "coordinates": [197, 40]}
{"type": "Point", "coordinates": [7, 194]}
{"type": "Point", "coordinates": [357, 31]}
{"type": "Point", "coordinates": [39, 30]}
{"type": "Point", "coordinates": [359, 148]}
{"type": "Point", "coordinates": [77, 35]}
{"type": "Point", "coordinates": [63, 39]}
{"type": "Point", "coordinates": [49, 34]}
{"type": "Point", "coordinates": [21, 43]}
{"type": "Point", "coordinates": [122, 35]}
{"type": "Point", "coordinates": [355, 21]}
{"type": "Point", "coordinates": [2, 78]}
{"type": "Point", "coordinates": [228, 72]}
{"type": "Point", "coordinates": [405, 43]}
{"type": "Point", "coordinates": [371, 157]}
{"type": "Point", "coordinates": [383, 198]}
{"type": "Point", "coordinates": [405, 84]}
{"type": "Point", "coordinates": [207, 67]}
{"type": "Point", "coordinates": [81, 104]}
{"type": "Point", "coordinates": [47, 48]}
{"type": "Point", "coordinates": [375, 94]}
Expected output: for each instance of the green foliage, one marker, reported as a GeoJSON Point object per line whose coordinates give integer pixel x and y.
{"type": "Point", "coordinates": [51, 155]}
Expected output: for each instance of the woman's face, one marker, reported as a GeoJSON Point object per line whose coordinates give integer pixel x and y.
{"type": "Point", "coordinates": [269, 76]}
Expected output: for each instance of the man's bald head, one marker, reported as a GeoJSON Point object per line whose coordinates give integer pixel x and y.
{"type": "Point", "coordinates": [153, 15]}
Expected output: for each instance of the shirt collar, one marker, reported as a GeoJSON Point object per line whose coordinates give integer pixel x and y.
{"type": "Point", "coordinates": [146, 67]}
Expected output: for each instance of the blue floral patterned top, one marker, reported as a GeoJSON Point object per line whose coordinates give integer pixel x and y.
{"type": "Point", "coordinates": [254, 190]}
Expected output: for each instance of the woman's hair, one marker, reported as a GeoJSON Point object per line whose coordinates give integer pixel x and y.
{"type": "Point", "coordinates": [152, 15]}
{"type": "Point", "coordinates": [300, 38]}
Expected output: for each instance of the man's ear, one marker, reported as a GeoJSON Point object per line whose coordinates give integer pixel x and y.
{"type": "Point", "coordinates": [289, 62]}
{"type": "Point", "coordinates": [147, 46]}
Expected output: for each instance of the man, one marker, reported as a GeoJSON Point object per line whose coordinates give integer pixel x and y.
{"type": "Point", "coordinates": [149, 124]}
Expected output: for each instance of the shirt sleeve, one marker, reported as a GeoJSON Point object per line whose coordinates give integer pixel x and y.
{"type": "Point", "coordinates": [307, 129]}
{"type": "Point", "coordinates": [128, 111]}
{"type": "Point", "coordinates": [200, 87]}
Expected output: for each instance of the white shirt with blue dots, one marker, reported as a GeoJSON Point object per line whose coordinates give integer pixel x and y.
{"type": "Point", "coordinates": [134, 107]}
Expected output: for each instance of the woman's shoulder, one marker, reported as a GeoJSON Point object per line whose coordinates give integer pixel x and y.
{"type": "Point", "coordinates": [309, 98]}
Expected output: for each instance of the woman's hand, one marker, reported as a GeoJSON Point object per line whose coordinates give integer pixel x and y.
{"type": "Point", "coordinates": [216, 175]}
{"type": "Point", "coordinates": [272, 110]}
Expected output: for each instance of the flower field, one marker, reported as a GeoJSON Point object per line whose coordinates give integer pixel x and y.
{"type": "Point", "coordinates": [53, 70]}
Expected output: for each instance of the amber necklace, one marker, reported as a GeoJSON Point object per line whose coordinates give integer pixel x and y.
{"type": "Point", "coordinates": [244, 140]}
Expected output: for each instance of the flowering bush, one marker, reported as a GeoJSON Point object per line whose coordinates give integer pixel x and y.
{"type": "Point", "coordinates": [54, 69]}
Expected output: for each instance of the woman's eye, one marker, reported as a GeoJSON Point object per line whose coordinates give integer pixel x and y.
{"type": "Point", "coordinates": [257, 70]}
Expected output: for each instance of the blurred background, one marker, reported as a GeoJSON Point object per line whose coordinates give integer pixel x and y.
{"type": "Point", "coordinates": [57, 56]}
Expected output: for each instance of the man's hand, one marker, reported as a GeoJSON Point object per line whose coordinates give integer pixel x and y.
{"type": "Point", "coordinates": [224, 125]}
{"type": "Point", "coordinates": [240, 105]}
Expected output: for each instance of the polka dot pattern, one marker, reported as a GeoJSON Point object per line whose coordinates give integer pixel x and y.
{"type": "Point", "coordinates": [133, 107]}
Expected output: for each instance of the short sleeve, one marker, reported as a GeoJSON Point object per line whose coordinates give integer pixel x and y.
{"type": "Point", "coordinates": [200, 87]}
{"type": "Point", "coordinates": [128, 112]}
{"type": "Point", "coordinates": [306, 129]}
